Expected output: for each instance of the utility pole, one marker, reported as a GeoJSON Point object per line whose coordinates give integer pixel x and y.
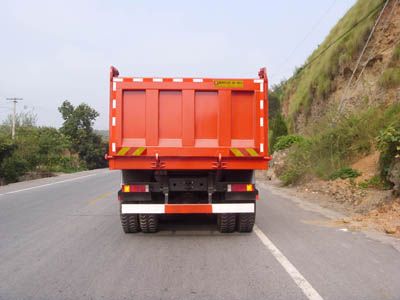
{"type": "Point", "coordinates": [15, 101]}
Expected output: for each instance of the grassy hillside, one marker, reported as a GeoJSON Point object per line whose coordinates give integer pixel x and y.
{"type": "Point", "coordinates": [315, 81]}
{"type": "Point", "coordinates": [322, 142]}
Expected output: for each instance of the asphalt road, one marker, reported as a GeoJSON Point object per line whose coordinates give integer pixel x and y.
{"type": "Point", "coordinates": [60, 238]}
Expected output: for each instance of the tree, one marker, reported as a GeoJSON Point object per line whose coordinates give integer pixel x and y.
{"type": "Point", "coordinates": [78, 127]}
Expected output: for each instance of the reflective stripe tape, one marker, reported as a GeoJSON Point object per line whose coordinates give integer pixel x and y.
{"type": "Point", "coordinates": [232, 208]}
{"type": "Point", "coordinates": [138, 151]}
{"type": "Point", "coordinates": [252, 152]}
{"type": "Point", "coordinates": [123, 150]}
{"type": "Point", "coordinates": [236, 152]}
{"type": "Point", "coordinates": [142, 208]}
{"type": "Point", "coordinates": [218, 208]}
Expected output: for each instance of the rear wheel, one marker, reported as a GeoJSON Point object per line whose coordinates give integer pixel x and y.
{"type": "Point", "coordinates": [148, 223]}
{"type": "Point", "coordinates": [130, 223]}
{"type": "Point", "coordinates": [245, 222]}
{"type": "Point", "coordinates": [226, 223]}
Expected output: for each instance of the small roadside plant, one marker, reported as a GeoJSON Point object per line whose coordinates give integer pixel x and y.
{"type": "Point", "coordinates": [345, 173]}
{"type": "Point", "coordinates": [286, 141]}
{"type": "Point", "coordinates": [375, 182]}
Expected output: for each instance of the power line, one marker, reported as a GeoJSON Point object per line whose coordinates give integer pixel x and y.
{"type": "Point", "coordinates": [359, 58]}
{"type": "Point", "coordinates": [371, 12]}
{"type": "Point", "coordinates": [314, 26]}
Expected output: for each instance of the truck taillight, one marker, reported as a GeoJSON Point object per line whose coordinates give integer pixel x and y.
{"type": "Point", "coordinates": [135, 188]}
{"type": "Point", "coordinates": [239, 187]}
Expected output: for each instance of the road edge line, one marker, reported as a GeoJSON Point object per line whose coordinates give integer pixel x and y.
{"type": "Point", "coordinates": [297, 277]}
{"type": "Point", "coordinates": [48, 184]}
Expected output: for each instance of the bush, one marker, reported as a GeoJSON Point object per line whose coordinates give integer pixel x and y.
{"type": "Point", "coordinates": [278, 128]}
{"type": "Point", "coordinates": [375, 182]}
{"type": "Point", "coordinates": [345, 173]}
{"type": "Point", "coordinates": [284, 142]}
{"type": "Point", "coordinates": [13, 167]}
{"type": "Point", "coordinates": [388, 142]}
{"type": "Point", "coordinates": [298, 163]}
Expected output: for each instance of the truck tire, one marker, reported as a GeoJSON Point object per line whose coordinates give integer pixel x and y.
{"type": "Point", "coordinates": [130, 223]}
{"type": "Point", "coordinates": [245, 222]}
{"type": "Point", "coordinates": [148, 223]}
{"type": "Point", "coordinates": [226, 223]}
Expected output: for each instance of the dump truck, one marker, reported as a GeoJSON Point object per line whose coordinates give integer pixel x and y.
{"type": "Point", "coordinates": [188, 146]}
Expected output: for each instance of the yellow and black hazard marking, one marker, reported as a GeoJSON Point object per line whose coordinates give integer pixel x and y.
{"type": "Point", "coordinates": [131, 151]}
{"type": "Point", "coordinates": [241, 152]}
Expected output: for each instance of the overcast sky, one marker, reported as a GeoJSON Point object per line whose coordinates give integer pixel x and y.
{"type": "Point", "coordinates": [56, 50]}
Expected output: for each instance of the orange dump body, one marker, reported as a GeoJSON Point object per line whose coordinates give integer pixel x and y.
{"type": "Point", "coordinates": [188, 123]}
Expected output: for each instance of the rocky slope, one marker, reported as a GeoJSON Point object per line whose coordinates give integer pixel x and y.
{"type": "Point", "coordinates": [319, 88]}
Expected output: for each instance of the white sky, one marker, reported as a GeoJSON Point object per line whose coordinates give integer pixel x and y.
{"type": "Point", "coordinates": [56, 50]}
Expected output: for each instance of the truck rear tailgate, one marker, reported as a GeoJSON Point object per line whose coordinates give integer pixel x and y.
{"type": "Point", "coordinates": [188, 123]}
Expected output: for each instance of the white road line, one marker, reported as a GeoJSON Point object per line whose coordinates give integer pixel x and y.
{"type": "Point", "coordinates": [48, 184]}
{"type": "Point", "coordinates": [301, 282]}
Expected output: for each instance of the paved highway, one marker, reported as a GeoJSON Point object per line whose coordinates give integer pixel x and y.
{"type": "Point", "coordinates": [60, 238]}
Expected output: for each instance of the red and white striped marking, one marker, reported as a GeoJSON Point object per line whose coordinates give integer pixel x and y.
{"type": "Point", "coordinates": [218, 208]}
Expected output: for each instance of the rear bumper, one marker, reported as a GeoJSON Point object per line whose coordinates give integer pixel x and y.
{"type": "Point", "coordinates": [217, 208]}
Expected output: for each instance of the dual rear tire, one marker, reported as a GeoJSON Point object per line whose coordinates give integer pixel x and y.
{"type": "Point", "coordinates": [227, 223]}
{"type": "Point", "coordinates": [133, 223]}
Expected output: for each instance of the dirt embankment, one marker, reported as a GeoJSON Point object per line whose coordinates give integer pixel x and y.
{"type": "Point", "coordinates": [365, 208]}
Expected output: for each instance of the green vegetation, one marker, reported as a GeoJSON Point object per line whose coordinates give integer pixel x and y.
{"type": "Point", "coordinates": [78, 128]}
{"type": "Point", "coordinates": [277, 122]}
{"type": "Point", "coordinates": [285, 141]}
{"type": "Point", "coordinates": [332, 146]}
{"type": "Point", "coordinates": [278, 129]}
{"type": "Point", "coordinates": [344, 173]}
{"type": "Point", "coordinates": [40, 151]}
{"type": "Point", "coordinates": [388, 142]}
{"type": "Point", "coordinates": [315, 80]}
{"type": "Point", "coordinates": [376, 182]}
{"type": "Point", "coordinates": [390, 78]}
